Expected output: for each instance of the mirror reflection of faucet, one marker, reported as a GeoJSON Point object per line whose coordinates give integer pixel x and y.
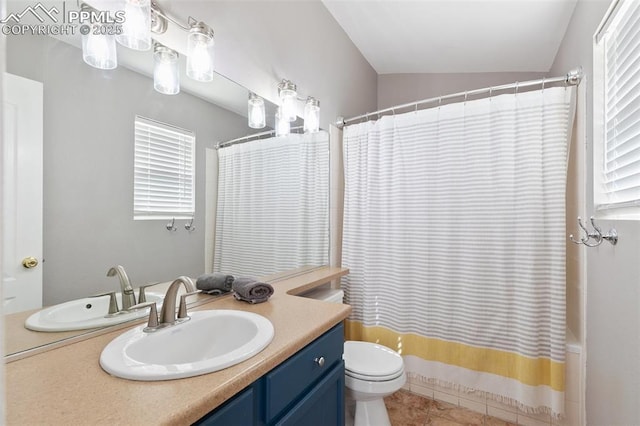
{"type": "Point", "coordinates": [128, 296]}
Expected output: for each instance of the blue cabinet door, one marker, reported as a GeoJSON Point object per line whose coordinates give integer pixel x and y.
{"type": "Point", "coordinates": [323, 405]}
{"type": "Point", "coordinates": [238, 411]}
{"type": "Point", "coordinates": [291, 380]}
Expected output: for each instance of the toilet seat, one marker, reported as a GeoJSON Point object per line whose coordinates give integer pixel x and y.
{"type": "Point", "coordinates": [369, 361]}
{"type": "Point", "coordinates": [374, 378]}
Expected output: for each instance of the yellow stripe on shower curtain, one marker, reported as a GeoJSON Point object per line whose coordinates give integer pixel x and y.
{"type": "Point", "coordinates": [530, 371]}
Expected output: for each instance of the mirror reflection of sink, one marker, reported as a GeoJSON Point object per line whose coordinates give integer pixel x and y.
{"type": "Point", "coordinates": [209, 341]}
{"type": "Point", "coordinates": [83, 314]}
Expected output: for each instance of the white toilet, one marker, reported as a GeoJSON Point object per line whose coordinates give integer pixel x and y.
{"type": "Point", "coordinates": [372, 372]}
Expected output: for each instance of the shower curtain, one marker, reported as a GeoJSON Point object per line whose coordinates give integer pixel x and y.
{"type": "Point", "coordinates": [454, 234]}
{"type": "Point", "coordinates": [273, 205]}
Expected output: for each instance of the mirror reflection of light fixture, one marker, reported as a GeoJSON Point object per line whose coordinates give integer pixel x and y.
{"type": "Point", "coordinates": [257, 115]}
{"type": "Point", "coordinates": [283, 125]}
{"type": "Point", "coordinates": [311, 115]}
{"type": "Point", "coordinates": [136, 28]}
{"type": "Point", "coordinates": [200, 52]}
{"type": "Point", "coordinates": [287, 92]}
{"type": "Point", "coordinates": [166, 75]}
{"type": "Point", "coordinates": [98, 50]}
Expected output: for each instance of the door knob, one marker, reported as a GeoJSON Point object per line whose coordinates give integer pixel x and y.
{"type": "Point", "coordinates": [29, 262]}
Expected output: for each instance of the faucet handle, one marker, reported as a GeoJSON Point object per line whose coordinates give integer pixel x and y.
{"type": "Point", "coordinates": [182, 309]}
{"type": "Point", "coordinates": [152, 324]}
{"type": "Point", "coordinates": [113, 302]}
{"type": "Point", "coordinates": [142, 297]}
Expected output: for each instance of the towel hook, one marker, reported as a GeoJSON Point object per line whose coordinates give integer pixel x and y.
{"type": "Point", "coordinates": [596, 235]}
{"type": "Point", "coordinates": [171, 225]}
{"type": "Point", "coordinates": [189, 226]}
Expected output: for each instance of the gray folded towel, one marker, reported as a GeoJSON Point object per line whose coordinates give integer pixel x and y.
{"type": "Point", "coordinates": [216, 283]}
{"type": "Point", "coordinates": [250, 290]}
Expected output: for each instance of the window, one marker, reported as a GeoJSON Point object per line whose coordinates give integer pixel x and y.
{"type": "Point", "coordinates": [164, 171]}
{"type": "Point", "coordinates": [617, 108]}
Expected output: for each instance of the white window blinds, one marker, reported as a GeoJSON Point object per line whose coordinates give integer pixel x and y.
{"type": "Point", "coordinates": [619, 107]}
{"type": "Point", "coordinates": [164, 171]}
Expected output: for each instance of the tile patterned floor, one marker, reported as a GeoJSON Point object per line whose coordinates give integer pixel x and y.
{"type": "Point", "coordinates": [408, 409]}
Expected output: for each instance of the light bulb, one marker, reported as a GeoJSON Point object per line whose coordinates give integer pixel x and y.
{"type": "Point", "coordinates": [99, 51]}
{"type": "Point", "coordinates": [136, 28]}
{"type": "Point", "coordinates": [200, 52]}
{"type": "Point", "coordinates": [256, 111]}
{"type": "Point", "coordinates": [166, 75]}
{"type": "Point", "coordinates": [312, 115]}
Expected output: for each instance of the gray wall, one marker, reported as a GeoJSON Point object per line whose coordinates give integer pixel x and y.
{"type": "Point", "coordinates": [88, 171]}
{"type": "Point", "coordinates": [258, 43]}
{"type": "Point", "coordinates": [613, 283]}
{"type": "Point", "coordinates": [397, 89]}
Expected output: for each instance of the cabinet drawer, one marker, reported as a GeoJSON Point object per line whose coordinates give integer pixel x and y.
{"type": "Point", "coordinates": [286, 383]}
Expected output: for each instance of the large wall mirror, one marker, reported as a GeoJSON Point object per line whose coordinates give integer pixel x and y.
{"type": "Point", "coordinates": [88, 174]}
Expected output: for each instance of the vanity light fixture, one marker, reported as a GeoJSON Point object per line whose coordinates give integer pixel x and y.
{"type": "Point", "coordinates": [141, 19]}
{"type": "Point", "coordinates": [312, 115]}
{"type": "Point", "coordinates": [283, 125]}
{"type": "Point", "coordinates": [200, 52]}
{"type": "Point", "coordinates": [98, 50]}
{"type": "Point", "coordinates": [287, 92]}
{"type": "Point", "coordinates": [166, 75]}
{"type": "Point", "coordinates": [136, 28]}
{"type": "Point", "coordinates": [256, 113]}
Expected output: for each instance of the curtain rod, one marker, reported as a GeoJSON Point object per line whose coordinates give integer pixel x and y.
{"type": "Point", "coordinates": [572, 78]}
{"type": "Point", "coordinates": [248, 138]}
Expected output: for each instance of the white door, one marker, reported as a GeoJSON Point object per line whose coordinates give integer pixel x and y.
{"type": "Point", "coordinates": [22, 187]}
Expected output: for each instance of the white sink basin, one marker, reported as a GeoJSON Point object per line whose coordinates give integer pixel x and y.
{"type": "Point", "coordinates": [83, 314]}
{"type": "Point", "coordinates": [208, 342]}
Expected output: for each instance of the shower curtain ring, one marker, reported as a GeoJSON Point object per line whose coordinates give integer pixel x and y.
{"type": "Point", "coordinates": [517, 84]}
{"type": "Point", "coordinates": [543, 83]}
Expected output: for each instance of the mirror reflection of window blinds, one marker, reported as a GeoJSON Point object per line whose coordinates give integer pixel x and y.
{"type": "Point", "coordinates": [273, 205]}
{"type": "Point", "coordinates": [164, 171]}
{"type": "Point", "coordinates": [619, 44]}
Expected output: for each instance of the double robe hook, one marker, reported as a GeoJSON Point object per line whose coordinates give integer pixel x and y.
{"type": "Point", "coordinates": [189, 226]}
{"type": "Point", "coordinates": [597, 236]}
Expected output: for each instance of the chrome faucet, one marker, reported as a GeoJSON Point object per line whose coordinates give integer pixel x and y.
{"type": "Point", "coordinates": [168, 312]}
{"type": "Point", "coordinates": [128, 296]}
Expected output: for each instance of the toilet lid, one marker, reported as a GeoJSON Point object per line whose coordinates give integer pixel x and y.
{"type": "Point", "coordinates": [370, 359]}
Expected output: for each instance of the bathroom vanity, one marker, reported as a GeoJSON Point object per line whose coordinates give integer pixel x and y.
{"type": "Point", "coordinates": [306, 389]}
{"type": "Point", "coordinates": [297, 379]}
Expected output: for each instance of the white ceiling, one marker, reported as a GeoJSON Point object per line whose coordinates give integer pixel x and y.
{"type": "Point", "coordinates": [455, 36]}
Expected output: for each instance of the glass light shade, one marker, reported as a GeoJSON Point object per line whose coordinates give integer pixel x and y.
{"type": "Point", "coordinates": [256, 114]}
{"type": "Point", "coordinates": [283, 126]}
{"type": "Point", "coordinates": [136, 28]}
{"type": "Point", "coordinates": [200, 53]}
{"type": "Point", "coordinates": [287, 91]}
{"type": "Point", "coordinates": [166, 75]}
{"type": "Point", "coordinates": [99, 51]}
{"type": "Point", "coordinates": [311, 115]}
